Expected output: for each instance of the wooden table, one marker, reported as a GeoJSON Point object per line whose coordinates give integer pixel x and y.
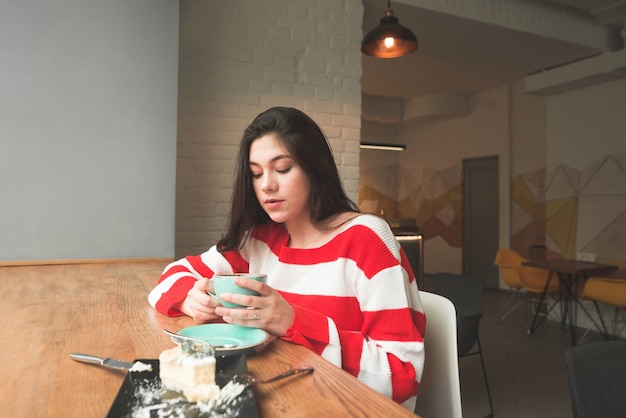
{"type": "Point", "coordinates": [569, 272]}
{"type": "Point", "coordinates": [102, 309]}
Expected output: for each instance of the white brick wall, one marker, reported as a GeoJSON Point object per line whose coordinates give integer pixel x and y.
{"type": "Point", "coordinates": [237, 58]}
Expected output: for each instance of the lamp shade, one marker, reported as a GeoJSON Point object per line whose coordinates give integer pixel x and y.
{"type": "Point", "coordinates": [389, 39]}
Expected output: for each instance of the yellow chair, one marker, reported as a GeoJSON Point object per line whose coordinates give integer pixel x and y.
{"type": "Point", "coordinates": [508, 260]}
{"type": "Point", "coordinates": [529, 279]}
{"type": "Point", "coordinates": [606, 290]}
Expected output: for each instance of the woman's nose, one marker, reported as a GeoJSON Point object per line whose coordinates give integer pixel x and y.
{"type": "Point", "coordinates": [269, 184]}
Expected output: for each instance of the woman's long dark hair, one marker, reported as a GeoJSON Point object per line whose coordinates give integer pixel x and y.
{"type": "Point", "coordinates": [306, 143]}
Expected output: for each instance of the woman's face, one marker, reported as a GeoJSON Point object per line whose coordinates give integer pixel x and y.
{"type": "Point", "coordinates": [280, 184]}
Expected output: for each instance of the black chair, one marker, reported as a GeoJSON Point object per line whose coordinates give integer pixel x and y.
{"type": "Point", "coordinates": [413, 246]}
{"type": "Point", "coordinates": [597, 379]}
{"type": "Point", "coordinates": [466, 293]}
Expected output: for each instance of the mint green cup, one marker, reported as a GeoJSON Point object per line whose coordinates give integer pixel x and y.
{"type": "Point", "coordinates": [225, 283]}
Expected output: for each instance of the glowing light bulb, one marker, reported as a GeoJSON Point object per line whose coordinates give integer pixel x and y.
{"type": "Point", "coordinates": [389, 42]}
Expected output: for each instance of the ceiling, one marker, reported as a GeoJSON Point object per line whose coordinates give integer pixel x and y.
{"type": "Point", "coordinates": [458, 54]}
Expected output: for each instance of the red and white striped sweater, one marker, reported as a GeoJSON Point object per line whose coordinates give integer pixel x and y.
{"type": "Point", "coordinates": [355, 298]}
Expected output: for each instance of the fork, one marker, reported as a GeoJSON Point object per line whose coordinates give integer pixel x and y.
{"type": "Point", "coordinates": [303, 370]}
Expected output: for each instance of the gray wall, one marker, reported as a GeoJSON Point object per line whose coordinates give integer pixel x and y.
{"type": "Point", "coordinates": [88, 98]}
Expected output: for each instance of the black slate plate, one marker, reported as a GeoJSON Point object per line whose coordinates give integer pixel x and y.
{"type": "Point", "coordinates": [141, 390]}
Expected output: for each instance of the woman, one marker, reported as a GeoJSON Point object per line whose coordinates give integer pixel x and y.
{"type": "Point", "coordinates": [337, 280]}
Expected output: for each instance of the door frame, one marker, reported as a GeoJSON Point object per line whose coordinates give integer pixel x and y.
{"type": "Point", "coordinates": [490, 277]}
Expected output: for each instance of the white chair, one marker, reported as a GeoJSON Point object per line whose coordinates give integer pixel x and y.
{"type": "Point", "coordinates": [439, 393]}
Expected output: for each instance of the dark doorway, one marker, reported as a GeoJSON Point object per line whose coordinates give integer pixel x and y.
{"type": "Point", "coordinates": [480, 219]}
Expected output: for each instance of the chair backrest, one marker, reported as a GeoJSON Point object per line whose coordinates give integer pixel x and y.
{"type": "Point", "coordinates": [597, 379]}
{"type": "Point", "coordinates": [605, 290]}
{"type": "Point", "coordinates": [413, 246]}
{"type": "Point", "coordinates": [466, 293]}
{"type": "Point", "coordinates": [440, 390]}
{"type": "Point", "coordinates": [518, 276]}
{"type": "Point", "coordinates": [508, 261]}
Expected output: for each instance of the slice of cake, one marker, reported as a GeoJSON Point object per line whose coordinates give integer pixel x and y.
{"type": "Point", "coordinates": [191, 370]}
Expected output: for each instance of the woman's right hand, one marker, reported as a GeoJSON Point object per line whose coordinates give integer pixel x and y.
{"type": "Point", "coordinates": [198, 304]}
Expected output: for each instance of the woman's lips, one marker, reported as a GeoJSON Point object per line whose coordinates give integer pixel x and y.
{"type": "Point", "coordinates": [273, 204]}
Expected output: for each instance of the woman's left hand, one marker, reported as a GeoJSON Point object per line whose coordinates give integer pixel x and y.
{"type": "Point", "coordinates": [269, 311]}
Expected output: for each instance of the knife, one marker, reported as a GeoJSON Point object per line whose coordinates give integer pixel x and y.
{"type": "Point", "coordinates": [102, 361]}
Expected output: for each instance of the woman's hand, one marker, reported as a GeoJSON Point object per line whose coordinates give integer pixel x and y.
{"type": "Point", "coordinates": [198, 304]}
{"type": "Point", "coordinates": [269, 311]}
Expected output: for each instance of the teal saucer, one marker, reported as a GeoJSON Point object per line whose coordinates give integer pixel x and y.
{"type": "Point", "coordinates": [245, 339]}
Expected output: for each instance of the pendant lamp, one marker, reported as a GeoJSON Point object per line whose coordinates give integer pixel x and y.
{"type": "Point", "coordinates": [389, 39]}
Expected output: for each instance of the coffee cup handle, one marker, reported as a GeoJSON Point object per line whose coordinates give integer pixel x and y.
{"type": "Point", "coordinates": [213, 295]}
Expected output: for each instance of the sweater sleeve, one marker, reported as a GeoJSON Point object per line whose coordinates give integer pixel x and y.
{"type": "Point", "coordinates": [180, 276]}
{"type": "Point", "coordinates": [376, 335]}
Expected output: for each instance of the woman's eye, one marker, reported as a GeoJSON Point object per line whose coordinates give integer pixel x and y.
{"type": "Point", "coordinates": [284, 170]}
{"type": "Point", "coordinates": [257, 175]}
